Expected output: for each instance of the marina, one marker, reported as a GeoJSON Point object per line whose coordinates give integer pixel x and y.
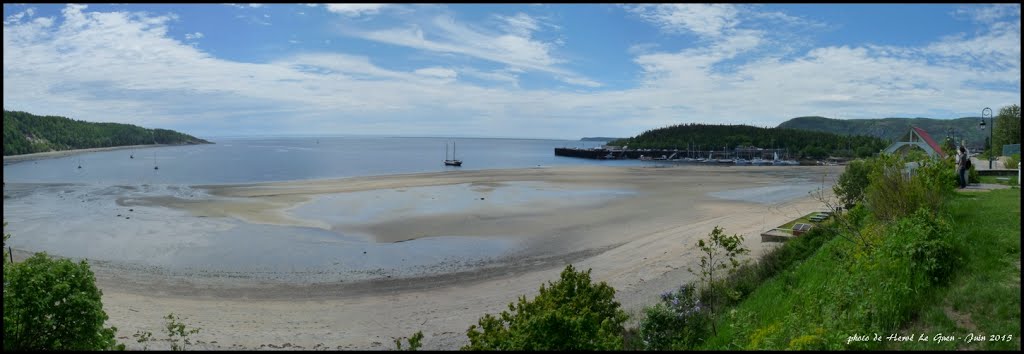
{"type": "Point", "coordinates": [738, 156]}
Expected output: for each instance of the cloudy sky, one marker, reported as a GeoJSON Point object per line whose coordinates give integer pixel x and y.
{"type": "Point", "coordinates": [513, 70]}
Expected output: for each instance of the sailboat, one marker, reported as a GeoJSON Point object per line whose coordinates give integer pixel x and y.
{"type": "Point", "coordinates": [710, 159]}
{"type": "Point", "coordinates": [778, 162]}
{"type": "Point", "coordinates": [155, 167]}
{"type": "Point", "coordinates": [453, 161]}
{"type": "Point", "coordinates": [759, 161]}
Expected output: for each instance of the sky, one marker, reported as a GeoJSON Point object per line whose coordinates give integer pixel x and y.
{"type": "Point", "coordinates": [561, 71]}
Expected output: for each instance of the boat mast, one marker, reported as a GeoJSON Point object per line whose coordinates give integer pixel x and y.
{"type": "Point", "coordinates": [155, 167]}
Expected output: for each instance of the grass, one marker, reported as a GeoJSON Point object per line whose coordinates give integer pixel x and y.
{"type": "Point", "coordinates": [984, 297]}
{"type": "Point", "coordinates": [981, 299]}
{"type": "Point", "coordinates": [1012, 181]}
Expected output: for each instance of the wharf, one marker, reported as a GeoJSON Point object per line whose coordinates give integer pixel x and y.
{"type": "Point", "coordinates": [663, 154]}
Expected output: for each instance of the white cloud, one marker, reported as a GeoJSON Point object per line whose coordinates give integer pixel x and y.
{"type": "Point", "coordinates": [243, 6]}
{"type": "Point", "coordinates": [354, 10]}
{"type": "Point", "coordinates": [985, 13]}
{"type": "Point", "coordinates": [15, 18]}
{"type": "Point", "coordinates": [520, 24]}
{"type": "Point", "coordinates": [708, 20]}
{"type": "Point", "coordinates": [437, 72]}
{"type": "Point", "coordinates": [641, 48]}
{"type": "Point", "coordinates": [515, 48]}
{"type": "Point", "coordinates": [125, 67]}
{"type": "Point", "coordinates": [193, 36]}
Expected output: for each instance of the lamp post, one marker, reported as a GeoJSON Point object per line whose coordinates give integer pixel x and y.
{"type": "Point", "coordinates": [991, 144]}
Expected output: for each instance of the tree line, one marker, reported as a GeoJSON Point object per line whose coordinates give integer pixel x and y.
{"type": "Point", "coordinates": [1007, 128]}
{"type": "Point", "coordinates": [800, 143]}
{"type": "Point", "coordinates": [26, 133]}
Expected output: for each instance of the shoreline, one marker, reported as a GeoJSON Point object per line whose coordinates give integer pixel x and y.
{"type": "Point", "coordinates": [641, 244]}
{"type": "Point", "coordinates": [12, 159]}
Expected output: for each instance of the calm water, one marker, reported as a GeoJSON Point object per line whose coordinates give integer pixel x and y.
{"type": "Point", "coordinates": [83, 220]}
{"type": "Point", "coordinates": [247, 160]}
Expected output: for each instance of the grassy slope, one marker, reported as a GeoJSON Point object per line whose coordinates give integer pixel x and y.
{"type": "Point", "coordinates": [983, 298]}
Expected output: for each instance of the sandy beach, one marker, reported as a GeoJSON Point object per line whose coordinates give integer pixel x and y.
{"type": "Point", "coordinates": [54, 154]}
{"type": "Point", "coordinates": [635, 227]}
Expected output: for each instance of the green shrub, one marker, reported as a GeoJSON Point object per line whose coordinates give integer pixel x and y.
{"type": "Point", "coordinates": [895, 191]}
{"type": "Point", "coordinates": [851, 184]}
{"type": "Point", "coordinates": [1010, 162]}
{"type": "Point", "coordinates": [176, 328]}
{"type": "Point", "coordinates": [680, 321]}
{"type": "Point", "coordinates": [914, 253]}
{"type": "Point", "coordinates": [929, 245]}
{"type": "Point", "coordinates": [53, 304]}
{"type": "Point", "coordinates": [719, 252]}
{"type": "Point", "coordinates": [412, 343]}
{"type": "Point", "coordinates": [972, 175]}
{"type": "Point", "coordinates": [569, 314]}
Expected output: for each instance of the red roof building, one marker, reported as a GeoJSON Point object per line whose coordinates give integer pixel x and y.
{"type": "Point", "coordinates": [920, 138]}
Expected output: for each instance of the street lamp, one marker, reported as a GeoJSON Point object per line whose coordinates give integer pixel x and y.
{"type": "Point", "coordinates": [981, 126]}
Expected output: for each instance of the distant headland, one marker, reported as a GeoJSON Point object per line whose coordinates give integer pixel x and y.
{"type": "Point", "coordinates": [26, 133]}
{"type": "Point", "coordinates": [599, 138]}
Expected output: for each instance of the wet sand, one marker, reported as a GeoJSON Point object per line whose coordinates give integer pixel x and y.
{"type": "Point", "coordinates": [640, 242]}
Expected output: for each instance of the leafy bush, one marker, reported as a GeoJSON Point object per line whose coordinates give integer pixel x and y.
{"type": "Point", "coordinates": [53, 304]}
{"type": "Point", "coordinates": [175, 328]}
{"type": "Point", "coordinates": [569, 314]}
{"type": "Point", "coordinates": [413, 343]}
{"type": "Point", "coordinates": [851, 184]}
{"type": "Point", "coordinates": [972, 175]}
{"type": "Point", "coordinates": [679, 321]}
{"type": "Point", "coordinates": [1010, 162]}
{"type": "Point", "coordinates": [896, 191]}
{"type": "Point", "coordinates": [720, 252]}
{"type": "Point", "coordinates": [928, 245]}
{"type": "Point", "coordinates": [914, 253]}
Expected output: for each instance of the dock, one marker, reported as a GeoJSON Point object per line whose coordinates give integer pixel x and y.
{"type": "Point", "coordinates": [605, 153]}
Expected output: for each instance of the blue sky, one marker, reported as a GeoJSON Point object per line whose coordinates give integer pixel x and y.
{"type": "Point", "coordinates": [504, 70]}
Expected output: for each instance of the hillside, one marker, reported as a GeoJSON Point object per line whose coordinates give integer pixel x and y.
{"type": "Point", "coordinates": [598, 138]}
{"type": "Point", "coordinates": [799, 143]}
{"type": "Point", "coordinates": [26, 133]}
{"type": "Point", "coordinates": [893, 128]}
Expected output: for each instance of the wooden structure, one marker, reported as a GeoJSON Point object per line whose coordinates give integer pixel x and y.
{"type": "Point", "coordinates": [919, 138]}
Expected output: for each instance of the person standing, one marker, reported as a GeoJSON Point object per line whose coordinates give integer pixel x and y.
{"type": "Point", "coordinates": [963, 162]}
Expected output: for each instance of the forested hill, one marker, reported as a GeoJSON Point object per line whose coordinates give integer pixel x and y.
{"type": "Point", "coordinates": [893, 128]}
{"type": "Point", "coordinates": [802, 143]}
{"type": "Point", "coordinates": [26, 133]}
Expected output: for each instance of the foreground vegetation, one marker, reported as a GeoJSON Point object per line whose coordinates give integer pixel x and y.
{"type": "Point", "coordinates": [26, 133]}
{"type": "Point", "coordinates": [912, 264]}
